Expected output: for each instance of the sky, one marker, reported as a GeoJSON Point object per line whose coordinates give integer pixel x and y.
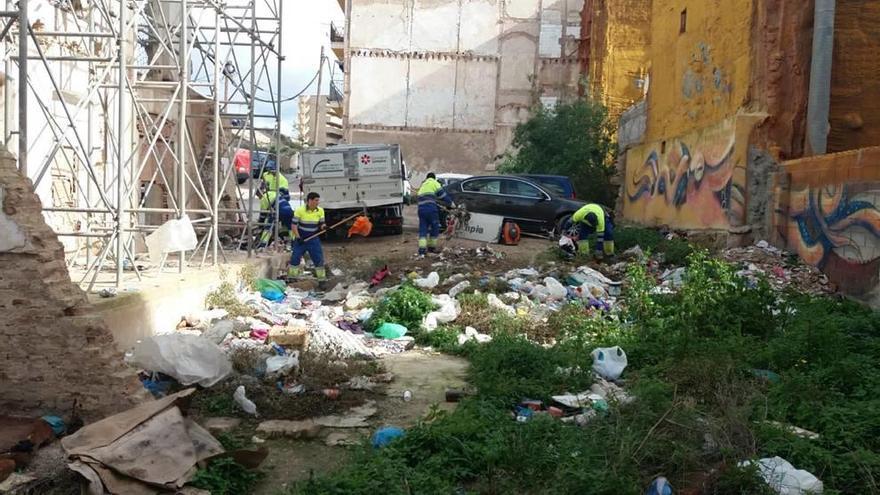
{"type": "Point", "coordinates": [305, 28]}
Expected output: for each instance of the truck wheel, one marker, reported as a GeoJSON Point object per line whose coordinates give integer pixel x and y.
{"type": "Point", "coordinates": [560, 225]}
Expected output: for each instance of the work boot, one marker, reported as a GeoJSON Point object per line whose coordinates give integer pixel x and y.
{"type": "Point", "coordinates": [293, 272]}
{"type": "Point", "coordinates": [608, 248]}
{"type": "Point", "coordinates": [432, 250]}
{"type": "Point", "coordinates": [320, 273]}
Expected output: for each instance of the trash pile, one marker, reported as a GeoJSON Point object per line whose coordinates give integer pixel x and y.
{"type": "Point", "coordinates": [20, 440]}
{"type": "Point", "coordinates": [783, 270]}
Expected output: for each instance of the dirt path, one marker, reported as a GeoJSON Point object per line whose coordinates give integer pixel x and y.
{"type": "Point", "coordinates": [426, 375]}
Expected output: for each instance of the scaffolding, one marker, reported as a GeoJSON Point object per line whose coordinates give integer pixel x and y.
{"type": "Point", "coordinates": [142, 106]}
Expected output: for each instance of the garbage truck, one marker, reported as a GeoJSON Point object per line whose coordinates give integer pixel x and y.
{"type": "Point", "coordinates": [357, 177]}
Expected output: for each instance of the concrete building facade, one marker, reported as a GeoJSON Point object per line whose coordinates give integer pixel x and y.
{"type": "Point", "coordinates": [449, 80]}
{"type": "Point", "coordinates": [318, 121]}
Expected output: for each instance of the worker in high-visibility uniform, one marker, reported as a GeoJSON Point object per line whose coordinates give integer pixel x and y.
{"type": "Point", "coordinates": [592, 219]}
{"type": "Point", "coordinates": [307, 221]}
{"type": "Point", "coordinates": [271, 176]}
{"type": "Point", "coordinates": [430, 192]}
{"type": "Point", "coordinates": [267, 215]}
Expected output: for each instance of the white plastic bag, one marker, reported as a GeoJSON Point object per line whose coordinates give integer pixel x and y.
{"type": "Point", "coordinates": [219, 331]}
{"type": "Point", "coordinates": [609, 362]}
{"type": "Point", "coordinates": [449, 311]}
{"type": "Point", "coordinates": [428, 282]}
{"type": "Point", "coordinates": [281, 364]}
{"type": "Point", "coordinates": [471, 333]}
{"type": "Point", "coordinates": [459, 288]}
{"type": "Point", "coordinates": [496, 303]}
{"type": "Point", "coordinates": [556, 290]}
{"type": "Point", "coordinates": [172, 236]}
{"type": "Point", "coordinates": [243, 402]}
{"type": "Point", "coordinates": [187, 358]}
{"type": "Point", "coordinates": [784, 478]}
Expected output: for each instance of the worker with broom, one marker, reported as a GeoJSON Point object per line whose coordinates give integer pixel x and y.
{"type": "Point", "coordinates": [308, 221]}
{"type": "Point", "coordinates": [430, 192]}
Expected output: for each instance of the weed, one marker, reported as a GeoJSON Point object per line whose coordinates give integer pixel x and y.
{"type": "Point", "coordinates": [225, 295]}
{"type": "Point", "coordinates": [405, 306]}
{"type": "Point", "coordinates": [224, 476]}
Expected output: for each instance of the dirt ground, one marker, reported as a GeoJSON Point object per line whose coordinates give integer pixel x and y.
{"type": "Point", "coordinates": [426, 375]}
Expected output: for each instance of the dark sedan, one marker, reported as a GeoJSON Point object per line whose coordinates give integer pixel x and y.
{"type": "Point", "coordinates": [535, 208]}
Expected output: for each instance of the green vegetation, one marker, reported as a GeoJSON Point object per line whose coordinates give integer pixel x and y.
{"type": "Point", "coordinates": [571, 139]}
{"type": "Point", "coordinates": [675, 250]}
{"type": "Point", "coordinates": [224, 476]}
{"type": "Point", "coordinates": [701, 406]}
{"type": "Point", "coordinates": [405, 306]}
{"type": "Point", "coordinates": [225, 297]}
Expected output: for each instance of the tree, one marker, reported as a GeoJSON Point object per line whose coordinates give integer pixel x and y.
{"type": "Point", "coordinates": [571, 139]}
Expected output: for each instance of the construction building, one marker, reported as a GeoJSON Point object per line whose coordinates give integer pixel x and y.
{"type": "Point", "coordinates": [319, 121]}
{"type": "Point", "coordinates": [453, 97]}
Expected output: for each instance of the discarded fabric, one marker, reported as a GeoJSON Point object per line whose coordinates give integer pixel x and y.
{"type": "Point", "coordinates": [784, 478]}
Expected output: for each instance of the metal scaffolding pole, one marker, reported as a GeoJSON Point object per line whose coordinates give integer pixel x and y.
{"type": "Point", "coordinates": [120, 157]}
{"type": "Point", "coordinates": [23, 27]}
{"type": "Point", "coordinates": [215, 195]}
{"type": "Point", "coordinates": [251, 104]}
{"type": "Point", "coordinates": [181, 120]}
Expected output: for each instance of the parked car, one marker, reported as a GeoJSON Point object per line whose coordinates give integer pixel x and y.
{"type": "Point", "coordinates": [536, 208]}
{"type": "Point", "coordinates": [559, 184]}
{"type": "Point", "coordinates": [446, 179]}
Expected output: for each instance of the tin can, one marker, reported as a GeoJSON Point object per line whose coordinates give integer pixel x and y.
{"type": "Point", "coordinates": [454, 395]}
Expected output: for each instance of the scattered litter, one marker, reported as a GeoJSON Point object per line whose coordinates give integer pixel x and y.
{"type": "Point", "coordinates": [281, 365]}
{"type": "Point", "coordinates": [336, 272]}
{"type": "Point", "coordinates": [556, 291]}
{"type": "Point", "coordinates": [459, 288]}
{"type": "Point", "coordinates": [794, 430]}
{"type": "Point", "coordinates": [324, 335]}
{"type": "Point", "coordinates": [673, 277]}
{"type": "Point", "coordinates": [218, 331]}
{"type": "Point", "coordinates": [609, 362]}
{"type": "Point", "coordinates": [660, 486]}
{"type": "Point", "coordinates": [634, 253]}
{"type": "Point", "coordinates": [108, 292]}
{"type": "Point", "coordinates": [385, 435]}
{"type": "Point", "coordinates": [448, 312]}
{"type": "Point", "coordinates": [784, 478]}
{"type": "Point", "coordinates": [187, 358]}
{"type": "Point", "coordinates": [471, 333]}
{"type": "Point", "coordinates": [496, 303]}
{"type": "Point", "coordinates": [407, 396]}
{"type": "Point", "coordinates": [429, 282]}
{"type": "Point", "coordinates": [173, 236]}
{"type": "Point", "coordinates": [243, 402]}
{"type": "Point", "coordinates": [390, 331]}
{"type": "Point", "coordinates": [379, 276]}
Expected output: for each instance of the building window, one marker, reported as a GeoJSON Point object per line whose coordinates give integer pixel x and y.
{"type": "Point", "coordinates": [662, 147]}
{"type": "Point", "coordinates": [682, 27]}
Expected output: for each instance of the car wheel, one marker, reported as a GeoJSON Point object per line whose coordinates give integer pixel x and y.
{"type": "Point", "coordinates": [560, 225]}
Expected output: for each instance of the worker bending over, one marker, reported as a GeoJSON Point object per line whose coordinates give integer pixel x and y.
{"type": "Point", "coordinates": [267, 215]}
{"type": "Point", "coordinates": [430, 192]}
{"type": "Point", "coordinates": [308, 220]}
{"type": "Point", "coordinates": [589, 219]}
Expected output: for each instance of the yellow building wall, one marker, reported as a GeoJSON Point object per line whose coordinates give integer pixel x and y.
{"type": "Point", "coordinates": [619, 42]}
{"type": "Point", "coordinates": [701, 76]}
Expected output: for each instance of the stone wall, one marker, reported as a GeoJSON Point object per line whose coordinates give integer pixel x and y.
{"type": "Point", "coordinates": [53, 353]}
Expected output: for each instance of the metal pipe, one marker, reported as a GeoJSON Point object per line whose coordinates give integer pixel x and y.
{"type": "Point", "coordinates": [215, 196]}
{"type": "Point", "coordinates": [120, 144]}
{"type": "Point", "coordinates": [278, 133]}
{"type": "Point", "coordinates": [181, 125]}
{"type": "Point", "coordinates": [819, 101]}
{"type": "Point", "coordinates": [23, 25]}
{"type": "Point", "coordinates": [7, 94]}
{"type": "Point", "coordinates": [251, 109]}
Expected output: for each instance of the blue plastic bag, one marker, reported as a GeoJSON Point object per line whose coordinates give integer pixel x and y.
{"type": "Point", "coordinates": [386, 435]}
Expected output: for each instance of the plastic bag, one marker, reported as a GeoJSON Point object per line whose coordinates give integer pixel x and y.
{"type": "Point", "coordinates": [428, 282]}
{"type": "Point", "coordinates": [243, 402]}
{"type": "Point", "coordinates": [496, 303]}
{"type": "Point", "coordinates": [784, 478]}
{"type": "Point", "coordinates": [361, 226]}
{"type": "Point", "coordinates": [219, 331]}
{"type": "Point", "coordinates": [172, 236]}
{"type": "Point", "coordinates": [609, 362]}
{"type": "Point", "coordinates": [448, 312]}
{"type": "Point", "coordinates": [459, 288]}
{"type": "Point", "coordinates": [187, 358]}
{"type": "Point", "coordinates": [556, 291]}
{"type": "Point", "coordinates": [390, 331]}
{"type": "Point", "coordinates": [281, 364]}
{"type": "Point", "coordinates": [272, 290]}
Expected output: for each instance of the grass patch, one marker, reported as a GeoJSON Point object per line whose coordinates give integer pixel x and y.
{"type": "Point", "coordinates": [225, 295]}
{"type": "Point", "coordinates": [405, 306]}
{"type": "Point", "coordinates": [224, 476]}
{"type": "Point", "coordinates": [699, 410]}
{"type": "Point", "coordinates": [675, 250]}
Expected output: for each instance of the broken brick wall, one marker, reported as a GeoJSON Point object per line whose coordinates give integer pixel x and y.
{"type": "Point", "coordinates": [53, 352]}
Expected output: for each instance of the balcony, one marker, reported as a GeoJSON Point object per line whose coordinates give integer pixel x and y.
{"type": "Point", "coordinates": [337, 41]}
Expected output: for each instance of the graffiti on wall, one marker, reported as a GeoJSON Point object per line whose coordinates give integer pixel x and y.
{"type": "Point", "coordinates": [693, 182]}
{"type": "Point", "coordinates": [837, 229]}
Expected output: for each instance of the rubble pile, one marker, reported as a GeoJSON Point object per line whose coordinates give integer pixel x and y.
{"type": "Point", "coordinates": [783, 270]}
